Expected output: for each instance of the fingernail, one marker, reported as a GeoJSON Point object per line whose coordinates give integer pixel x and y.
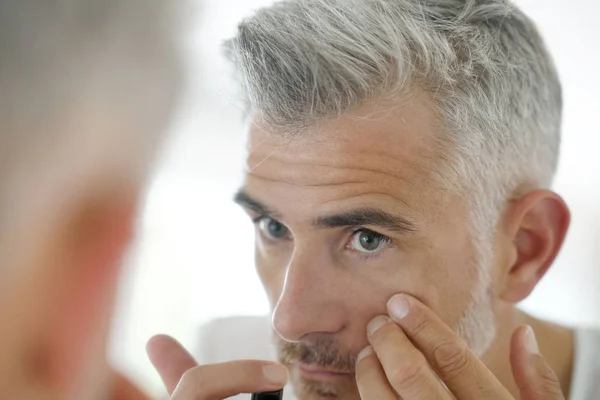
{"type": "Point", "coordinates": [367, 351]}
{"type": "Point", "coordinates": [398, 306]}
{"type": "Point", "coordinates": [531, 343]}
{"type": "Point", "coordinates": [377, 323]}
{"type": "Point", "coordinates": [275, 374]}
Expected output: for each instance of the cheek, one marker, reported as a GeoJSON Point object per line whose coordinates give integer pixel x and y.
{"type": "Point", "coordinates": [368, 289]}
{"type": "Point", "coordinates": [400, 271]}
{"type": "Point", "coordinates": [442, 279]}
{"type": "Point", "coordinates": [451, 282]}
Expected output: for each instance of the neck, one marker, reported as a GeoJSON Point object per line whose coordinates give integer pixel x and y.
{"type": "Point", "coordinates": [555, 342]}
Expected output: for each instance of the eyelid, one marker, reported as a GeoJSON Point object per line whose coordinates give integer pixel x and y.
{"type": "Point", "coordinates": [260, 217]}
{"type": "Point", "coordinates": [355, 230]}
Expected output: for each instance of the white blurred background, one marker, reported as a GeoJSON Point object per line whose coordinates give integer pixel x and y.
{"type": "Point", "coordinates": [194, 256]}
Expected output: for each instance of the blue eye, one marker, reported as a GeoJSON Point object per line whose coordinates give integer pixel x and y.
{"type": "Point", "coordinates": [273, 229]}
{"type": "Point", "coordinates": [367, 241]}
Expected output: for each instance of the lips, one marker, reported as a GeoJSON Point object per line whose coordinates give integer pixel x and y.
{"type": "Point", "coordinates": [317, 372]}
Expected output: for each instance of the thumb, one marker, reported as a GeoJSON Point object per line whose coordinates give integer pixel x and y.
{"type": "Point", "coordinates": [534, 377]}
{"type": "Point", "coordinates": [170, 359]}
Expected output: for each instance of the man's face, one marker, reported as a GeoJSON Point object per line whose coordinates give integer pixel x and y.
{"type": "Point", "coordinates": [347, 215]}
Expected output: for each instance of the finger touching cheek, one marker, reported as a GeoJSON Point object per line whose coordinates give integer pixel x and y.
{"type": "Point", "coordinates": [446, 352]}
{"type": "Point", "coordinates": [405, 367]}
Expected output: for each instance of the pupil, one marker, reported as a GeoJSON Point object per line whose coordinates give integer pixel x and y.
{"type": "Point", "coordinates": [275, 228]}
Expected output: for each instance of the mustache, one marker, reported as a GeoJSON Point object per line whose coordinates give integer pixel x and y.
{"type": "Point", "coordinates": [320, 353]}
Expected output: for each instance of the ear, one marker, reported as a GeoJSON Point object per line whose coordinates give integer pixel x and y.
{"type": "Point", "coordinates": [80, 287]}
{"type": "Point", "coordinates": [535, 225]}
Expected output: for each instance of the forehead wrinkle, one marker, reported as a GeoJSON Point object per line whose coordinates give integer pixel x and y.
{"type": "Point", "coordinates": [306, 156]}
{"type": "Point", "coordinates": [397, 199]}
{"type": "Point", "coordinates": [349, 185]}
{"type": "Point", "coordinates": [356, 162]}
{"type": "Point", "coordinates": [349, 169]}
{"type": "Point", "coordinates": [349, 161]}
{"type": "Point", "coordinates": [353, 178]}
{"type": "Point", "coordinates": [287, 182]}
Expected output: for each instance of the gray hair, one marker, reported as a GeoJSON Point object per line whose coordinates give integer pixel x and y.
{"type": "Point", "coordinates": [482, 62]}
{"type": "Point", "coordinates": [84, 84]}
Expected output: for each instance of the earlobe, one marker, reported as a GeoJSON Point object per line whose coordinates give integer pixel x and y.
{"type": "Point", "coordinates": [539, 222]}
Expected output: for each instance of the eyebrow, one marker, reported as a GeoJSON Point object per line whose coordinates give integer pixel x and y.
{"type": "Point", "coordinates": [366, 216]}
{"type": "Point", "coordinates": [245, 200]}
{"type": "Point", "coordinates": [357, 217]}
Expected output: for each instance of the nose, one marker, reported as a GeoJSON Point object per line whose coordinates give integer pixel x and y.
{"type": "Point", "coordinates": [311, 300]}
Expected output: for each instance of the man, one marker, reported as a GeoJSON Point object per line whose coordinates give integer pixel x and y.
{"type": "Point", "coordinates": [86, 91]}
{"type": "Point", "coordinates": [401, 155]}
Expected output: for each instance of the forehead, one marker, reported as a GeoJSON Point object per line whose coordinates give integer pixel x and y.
{"type": "Point", "coordinates": [379, 153]}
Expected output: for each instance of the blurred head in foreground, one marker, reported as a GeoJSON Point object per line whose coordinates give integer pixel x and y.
{"type": "Point", "coordinates": [86, 90]}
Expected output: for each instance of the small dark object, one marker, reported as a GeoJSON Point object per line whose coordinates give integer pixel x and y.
{"type": "Point", "coordinates": [268, 395]}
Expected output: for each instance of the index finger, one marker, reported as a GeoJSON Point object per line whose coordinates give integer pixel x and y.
{"type": "Point", "coordinates": [456, 365]}
{"type": "Point", "coordinates": [170, 359]}
{"type": "Point", "coordinates": [224, 380]}
{"type": "Point", "coordinates": [184, 379]}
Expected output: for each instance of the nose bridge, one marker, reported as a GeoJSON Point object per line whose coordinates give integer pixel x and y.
{"type": "Point", "coordinates": [306, 305]}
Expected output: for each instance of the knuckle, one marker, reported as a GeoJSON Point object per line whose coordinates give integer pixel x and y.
{"type": "Point", "coordinates": [365, 366]}
{"type": "Point", "coordinates": [550, 383]}
{"type": "Point", "coordinates": [366, 372]}
{"type": "Point", "coordinates": [419, 325]}
{"type": "Point", "coordinates": [451, 359]}
{"type": "Point", "coordinates": [193, 379]}
{"type": "Point", "coordinates": [385, 333]}
{"type": "Point", "coordinates": [242, 372]}
{"type": "Point", "coordinates": [408, 374]}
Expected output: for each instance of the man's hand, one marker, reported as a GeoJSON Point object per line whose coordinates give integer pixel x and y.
{"type": "Point", "coordinates": [416, 356]}
{"type": "Point", "coordinates": [185, 380]}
